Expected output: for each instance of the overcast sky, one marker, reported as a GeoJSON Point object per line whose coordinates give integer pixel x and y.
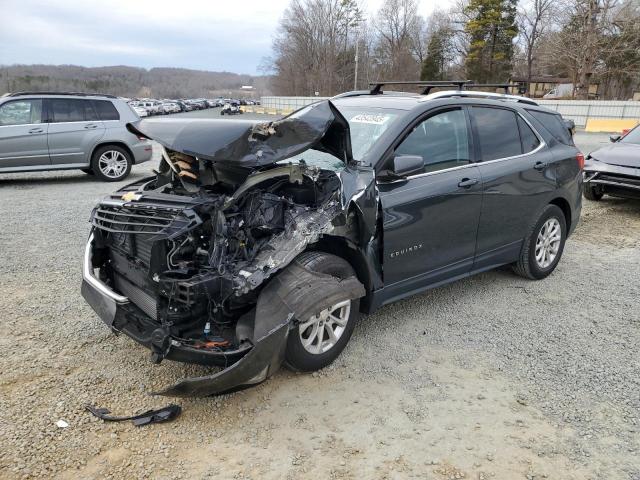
{"type": "Point", "coordinates": [217, 35]}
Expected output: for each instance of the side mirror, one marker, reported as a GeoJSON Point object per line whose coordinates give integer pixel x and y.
{"type": "Point", "coordinates": [405, 165]}
{"type": "Point", "coordinates": [614, 138]}
{"type": "Point", "coordinates": [571, 126]}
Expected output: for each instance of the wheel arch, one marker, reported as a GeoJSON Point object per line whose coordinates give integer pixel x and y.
{"type": "Point", "coordinates": [563, 205]}
{"type": "Point", "coordinates": [345, 249]}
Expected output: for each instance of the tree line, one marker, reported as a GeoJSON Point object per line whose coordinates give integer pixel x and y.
{"type": "Point", "coordinates": [330, 46]}
{"type": "Point", "coordinates": [127, 81]}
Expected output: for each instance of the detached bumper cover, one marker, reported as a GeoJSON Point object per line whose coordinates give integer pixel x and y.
{"type": "Point", "coordinates": [279, 306]}
{"type": "Point", "coordinates": [612, 176]}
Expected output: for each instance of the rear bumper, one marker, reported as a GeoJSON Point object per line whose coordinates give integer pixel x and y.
{"type": "Point", "coordinates": [142, 151]}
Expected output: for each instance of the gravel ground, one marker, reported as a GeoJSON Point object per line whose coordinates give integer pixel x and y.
{"type": "Point", "coordinates": [489, 377]}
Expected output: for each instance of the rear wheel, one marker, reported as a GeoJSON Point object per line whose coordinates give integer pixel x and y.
{"type": "Point", "coordinates": [320, 337]}
{"type": "Point", "coordinates": [111, 163]}
{"type": "Point", "coordinates": [88, 171]}
{"type": "Point", "coordinates": [543, 246]}
{"type": "Point", "coordinates": [592, 192]}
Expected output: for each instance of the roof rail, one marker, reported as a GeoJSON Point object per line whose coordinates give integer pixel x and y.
{"type": "Point", "coordinates": [489, 95]}
{"type": "Point", "coordinates": [76, 94]}
{"type": "Point", "coordinates": [427, 86]}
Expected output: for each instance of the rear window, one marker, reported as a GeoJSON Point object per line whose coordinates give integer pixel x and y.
{"type": "Point", "coordinates": [529, 139]}
{"type": "Point", "coordinates": [67, 110]}
{"type": "Point", "coordinates": [498, 133]}
{"type": "Point", "coordinates": [554, 125]}
{"type": "Point", "coordinates": [106, 110]}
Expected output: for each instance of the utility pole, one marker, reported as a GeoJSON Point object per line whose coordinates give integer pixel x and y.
{"type": "Point", "coordinates": [355, 76]}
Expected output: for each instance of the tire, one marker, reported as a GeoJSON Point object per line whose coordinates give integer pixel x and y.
{"type": "Point", "coordinates": [297, 356]}
{"type": "Point", "coordinates": [88, 171]}
{"type": "Point", "coordinates": [552, 219]}
{"type": "Point", "coordinates": [592, 193]}
{"type": "Point", "coordinates": [111, 163]}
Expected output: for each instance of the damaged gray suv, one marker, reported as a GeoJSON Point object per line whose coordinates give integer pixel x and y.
{"type": "Point", "coordinates": [259, 244]}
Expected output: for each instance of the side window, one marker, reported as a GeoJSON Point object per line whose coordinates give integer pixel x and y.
{"type": "Point", "coordinates": [529, 139]}
{"type": "Point", "coordinates": [554, 124]}
{"type": "Point", "coordinates": [21, 112]}
{"type": "Point", "coordinates": [441, 140]}
{"type": "Point", "coordinates": [498, 133]}
{"type": "Point", "coordinates": [106, 110]}
{"type": "Point", "coordinates": [67, 110]}
{"type": "Point", "coordinates": [90, 114]}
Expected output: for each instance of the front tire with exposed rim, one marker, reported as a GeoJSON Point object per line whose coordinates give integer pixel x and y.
{"type": "Point", "coordinates": [592, 192]}
{"type": "Point", "coordinates": [111, 163]}
{"type": "Point", "coordinates": [319, 338]}
{"type": "Point", "coordinates": [544, 244]}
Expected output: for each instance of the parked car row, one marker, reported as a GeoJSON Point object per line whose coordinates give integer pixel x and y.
{"type": "Point", "coordinates": [145, 107]}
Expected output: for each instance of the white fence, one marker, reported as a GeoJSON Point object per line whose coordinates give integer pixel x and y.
{"type": "Point", "coordinates": [288, 103]}
{"type": "Point", "coordinates": [577, 110]}
{"type": "Point", "coordinates": [582, 110]}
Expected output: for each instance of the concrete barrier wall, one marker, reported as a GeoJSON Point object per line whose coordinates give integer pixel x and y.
{"type": "Point", "coordinates": [593, 115]}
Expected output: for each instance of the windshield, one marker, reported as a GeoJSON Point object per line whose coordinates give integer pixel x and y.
{"type": "Point", "coordinates": [632, 137]}
{"type": "Point", "coordinates": [366, 126]}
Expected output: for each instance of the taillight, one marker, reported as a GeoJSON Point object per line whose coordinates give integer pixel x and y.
{"type": "Point", "coordinates": [580, 160]}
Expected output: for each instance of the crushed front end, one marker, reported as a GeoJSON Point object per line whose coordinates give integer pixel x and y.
{"type": "Point", "coordinates": [181, 262]}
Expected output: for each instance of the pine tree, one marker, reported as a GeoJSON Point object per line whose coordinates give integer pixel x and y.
{"type": "Point", "coordinates": [437, 58]}
{"type": "Point", "coordinates": [491, 29]}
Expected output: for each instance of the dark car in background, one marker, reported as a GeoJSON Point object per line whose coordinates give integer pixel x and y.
{"type": "Point", "coordinates": [259, 243]}
{"type": "Point", "coordinates": [615, 169]}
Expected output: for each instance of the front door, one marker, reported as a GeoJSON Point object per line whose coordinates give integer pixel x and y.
{"type": "Point", "coordinates": [23, 136]}
{"type": "Point", "coordinates": [430, 219]}
{"type": "Point", "coordinates": [74, 130]}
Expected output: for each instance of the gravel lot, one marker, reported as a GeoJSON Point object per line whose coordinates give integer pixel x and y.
{"type": "Point", "coordinates": [490, 377]}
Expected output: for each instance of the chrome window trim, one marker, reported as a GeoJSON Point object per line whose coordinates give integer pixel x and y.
{"type": "Point", "coordinates": [481, 162]}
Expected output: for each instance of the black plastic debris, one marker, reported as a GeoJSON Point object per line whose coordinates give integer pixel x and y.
{"type": "Point", "coordinates": [150, 416]}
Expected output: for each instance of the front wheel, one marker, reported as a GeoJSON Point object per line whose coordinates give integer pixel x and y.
{"type": "Point", "coordinates": [543, 246]}
{"type": "Point", "coordinates": [111, 163]}
{"type": "Point", "coordinates": [319, 338]}
{"type": "Point", "coordinates": [592, 193]}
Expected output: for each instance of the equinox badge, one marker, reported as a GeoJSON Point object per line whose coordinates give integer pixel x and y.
{"type": "Point", "coordinates": [404, 251]}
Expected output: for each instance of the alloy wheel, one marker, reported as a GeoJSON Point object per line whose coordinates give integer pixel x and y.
{"type": "Point", "coordinates": [548, 242]}
{"type": "Point", "coordinates": [321, 332]}
{"type": "Point", "coordinates": [112, 164]}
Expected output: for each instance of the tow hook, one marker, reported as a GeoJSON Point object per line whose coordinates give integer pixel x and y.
{"type": "Point", "coordinates": [160, 344]}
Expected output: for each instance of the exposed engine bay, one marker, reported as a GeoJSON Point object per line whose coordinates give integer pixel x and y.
{"type": "Point", "coordinates": [196, 260]}
{"type": "Point", "coordinates": [192, 248]}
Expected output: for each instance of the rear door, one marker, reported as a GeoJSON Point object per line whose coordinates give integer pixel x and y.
{"type": "Point", "coordinates": [74, 129]}
{"type": "Point", "coordinates": [430, 219]}
{"type": "Point", "coordinates": [518, 179]}
{"type": "Point", "coordinates": [23, 135]}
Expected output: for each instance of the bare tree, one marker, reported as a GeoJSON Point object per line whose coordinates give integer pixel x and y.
{"type": "Point", "coordinates": [396, 24]}
{"type": "Point", "coordinates": [534, 19]}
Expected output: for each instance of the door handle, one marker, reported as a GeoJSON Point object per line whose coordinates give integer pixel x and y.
{"type": "Point", "coordinates": [36, 130]}
{"type": "Point", "coordinates": [540, 165]}
{"type": "Point", "coordinates": [467, 182]}
{"type": "Point", "coordinates": [90, 127]}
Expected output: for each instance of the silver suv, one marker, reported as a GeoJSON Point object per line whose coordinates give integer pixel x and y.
{"type": "Point", "coordinates": [60, 131]}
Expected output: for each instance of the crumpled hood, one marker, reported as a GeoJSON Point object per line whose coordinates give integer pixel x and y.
{"type": "Point", "coordinates": [622, 154]}
{"type": "Point", "coordinates": [251, 143]}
